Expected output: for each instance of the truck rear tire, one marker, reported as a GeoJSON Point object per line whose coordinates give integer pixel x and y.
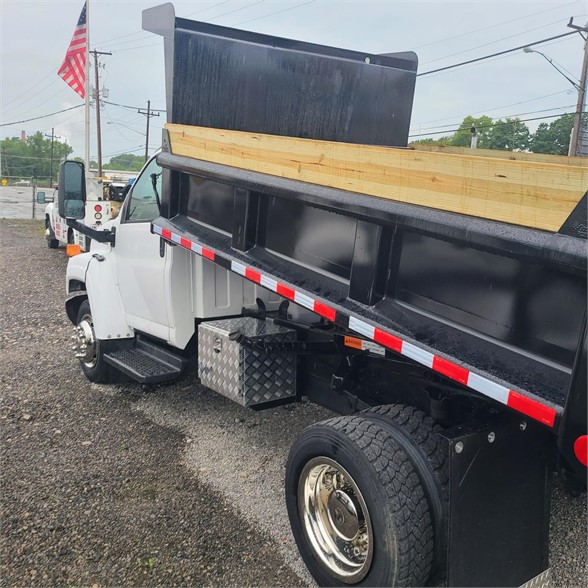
{"type": "Point", "coordinates": [356, 505]}
{"type": "Point", "coordinates": [93, 364]}
{"type": "Point", "coordinates": [420, 436]}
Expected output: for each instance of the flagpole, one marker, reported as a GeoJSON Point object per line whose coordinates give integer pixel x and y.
{"type": "Point", "coordinates": [87, 90]}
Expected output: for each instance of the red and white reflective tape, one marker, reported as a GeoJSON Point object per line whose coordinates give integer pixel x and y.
{"type": "Point", "coordinates": [532, 408]}
{"type": "Point", "coordinates": [285, 291]}
{"type": "Point", "coordinates": [186, 243]}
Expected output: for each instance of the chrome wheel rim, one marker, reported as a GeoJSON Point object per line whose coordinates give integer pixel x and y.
{"type": "Point", "coordinates": [336, 519]}
{"type": "Point", "coordinates": [85, 342]}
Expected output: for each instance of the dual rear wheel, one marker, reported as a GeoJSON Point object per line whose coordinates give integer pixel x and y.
{"type": "Point", "coordinates": [359, 494]}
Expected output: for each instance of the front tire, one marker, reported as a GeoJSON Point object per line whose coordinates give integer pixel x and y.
{"type": "Point", "coordinates": [357, 509]}
{"type": "Point", "coordinates": [90, 351]}
{"type": "Point", "coordinates": [52, 242]}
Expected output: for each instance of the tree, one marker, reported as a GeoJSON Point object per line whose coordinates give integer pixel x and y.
{"type": "Point", "coordinates": [508, 135]}
{"type": "Point", "coordinates": [93, 163]}
{"type": "Point", "coordinates": [431, 141]}
{"type": "Point", "coordinates": [126, 161]}
{"type": "Point", "coordinates": [463, 136]}
{"type": "Point", "coordinates": [555, 137]}
{"type": "Point", "coordinates": [32, 157]}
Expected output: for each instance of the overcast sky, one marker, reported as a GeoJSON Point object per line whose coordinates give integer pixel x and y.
{"type": "Point", "coordinates": [36, 34]}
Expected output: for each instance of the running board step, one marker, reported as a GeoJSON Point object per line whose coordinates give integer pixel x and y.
{"type": "Point", "coordinates": [147, 363]}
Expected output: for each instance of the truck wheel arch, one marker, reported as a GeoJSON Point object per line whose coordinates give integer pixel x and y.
{"type": "Point", "coordinates": [72, 306]}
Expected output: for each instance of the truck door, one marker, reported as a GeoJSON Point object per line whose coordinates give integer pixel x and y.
{"type": "Point", "coordinates": [139, 266]}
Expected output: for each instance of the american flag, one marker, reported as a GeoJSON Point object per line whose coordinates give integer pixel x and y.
{"type": "Point", "coordinates": [73, 68]}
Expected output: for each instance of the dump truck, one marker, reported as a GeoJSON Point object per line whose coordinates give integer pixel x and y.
{"type": "Point", "coordinates": [287, 245]}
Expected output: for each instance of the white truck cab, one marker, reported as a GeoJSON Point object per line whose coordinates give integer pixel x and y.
{"type": "Point", "coordinates": [137, 286]}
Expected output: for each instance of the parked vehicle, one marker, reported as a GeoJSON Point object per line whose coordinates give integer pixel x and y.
{"type": "Point", "coordinates": [98, 211]}
{"type": "Point", "coordinates": [256, 249]}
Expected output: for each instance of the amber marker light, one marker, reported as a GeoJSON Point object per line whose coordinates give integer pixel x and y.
{"type": "Point", "coordinates": [73, 250]}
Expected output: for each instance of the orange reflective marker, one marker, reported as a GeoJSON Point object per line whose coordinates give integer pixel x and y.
{"type": "Point", "coordinates": [72, 250]}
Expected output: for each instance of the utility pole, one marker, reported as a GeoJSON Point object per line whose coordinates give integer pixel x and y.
{"type": "Point", "coordinates": [53, 137]}
{"type": "Point", "coordinates": [97, 96]}
{"type": "Point", "coordinates": [576, 135]}
{"type": "Point", "coordinates": [148, 113]}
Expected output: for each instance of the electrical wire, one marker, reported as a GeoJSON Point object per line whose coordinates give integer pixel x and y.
{"type": "Point", "coordinates": [35, 88]}
{"type": "Point", "coordinates": [236, 10]}
{"type": "Point", "coordinates": [559, 7]}
{"type": "Point", "coordinates": [209, 8]}
{"type": "Point", "coordinates": [494, 42]}
{"type": "Point", "coordinates": [18, 122]}
{"type": "Point", "coordinates": [485, 110]}
{"type": "Point", "coordinates": [511, 116]}
{"type": "Point", "coordinates": [496, 54]}
{"type": "Point", "coordinates": [132, 107]}
{"type": "Point", "coordinates": [117, 39]}
{"type": "Point", "coordinates": [273, 13]}
{"type": "Point", "coordinates": [489, 126]}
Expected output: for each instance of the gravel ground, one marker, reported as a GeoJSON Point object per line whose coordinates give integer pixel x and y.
{"type": "Point", "coordinates": [131, 486]}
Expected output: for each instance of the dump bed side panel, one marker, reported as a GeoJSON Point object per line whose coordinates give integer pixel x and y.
{"type": "Point", "coordinates": [504, 300]}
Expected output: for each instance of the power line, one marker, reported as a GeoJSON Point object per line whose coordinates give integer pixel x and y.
{"type": "Point", "coordinates": [116, 40]}
{"type": "Point", "coordinates": [274, 13]}
{"type": "Point", "coordinates": [506, 116]}
{"type": "Point", "coordinates": [498, 53]}
{"type": "Point", "coordinates": [489, 126]}
{"type": "Point", "coordinates": [559, 7]}
{"type": "Point", "coordinates": [209, 8]}
{"type": "Point", "coordinates": [18, 122]}
{"type": "Point", "coordinates": [5, 154]}
{"type": "Point", "coordinates": [236, 10]}
{"type": "Point", "coordinates": [132, 107]}
{"type": "Point", "coordinates": [35, 88]}
{"type": "Point", "coordinates": [485, 110]}
{"type": "Point", "coordinates": [496, 41]}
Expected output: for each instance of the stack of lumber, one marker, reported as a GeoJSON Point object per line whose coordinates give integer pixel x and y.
{"type": "Point", "coordinates": [531, 191]}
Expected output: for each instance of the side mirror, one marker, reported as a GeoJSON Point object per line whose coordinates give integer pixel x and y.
{"type": "Point", "coordinates": [41, 198]}
{"type": "Point", "coordinates": [71, 193]}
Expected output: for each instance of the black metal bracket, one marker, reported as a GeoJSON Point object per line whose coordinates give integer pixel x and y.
{"type": "Point", "coordinates": [100, 236]}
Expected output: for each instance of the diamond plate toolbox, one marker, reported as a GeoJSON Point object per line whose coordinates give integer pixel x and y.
{"type": "Point", "coordinates": [247, 376]}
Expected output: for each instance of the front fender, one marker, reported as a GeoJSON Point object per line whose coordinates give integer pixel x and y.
{"type": "Point", "coordinates": [95, 273]}
{"type": "Point", "coordinates": [76, 272]}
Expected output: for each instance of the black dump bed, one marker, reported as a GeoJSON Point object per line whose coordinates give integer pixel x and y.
{"type": "Point", "coordinates": [497, 307]}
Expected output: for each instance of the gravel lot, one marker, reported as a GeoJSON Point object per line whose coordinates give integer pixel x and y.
{"type": "Point", "coordinates": [131, 486]}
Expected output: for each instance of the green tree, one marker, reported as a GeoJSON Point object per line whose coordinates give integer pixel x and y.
{"type": "Point", "coordinates": [463, 136]}
{"type": "Point", "coordinates": [126, 161]}
{"type": "Point", "coordinates": [431, 141]}
{"type": "Point", "coordinates": [554, 137]}
{"type": "Point", "coordinates": [32, 157]}
{"type": "Point", "coordinates": [508, 135]}
{"type": "Point", "coordinates": [93, 163]}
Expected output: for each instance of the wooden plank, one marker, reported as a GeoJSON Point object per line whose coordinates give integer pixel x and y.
{"type": "Point", "coordinates": [512, 155]}
{"type": "Point", "coordinates": [530, 194]}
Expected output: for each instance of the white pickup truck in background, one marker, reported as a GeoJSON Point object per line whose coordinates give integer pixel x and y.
{"type": "Point", "coordinates": [99, 210]}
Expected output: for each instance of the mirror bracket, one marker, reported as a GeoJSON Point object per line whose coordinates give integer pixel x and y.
{"type": "Point", "coordinates": [100, 236]}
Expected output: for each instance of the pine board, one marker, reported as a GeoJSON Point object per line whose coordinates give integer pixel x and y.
{"type": "Point", "coordinates": [513, 155]}
{"type": "Point", "coordinates": [531, 194]}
